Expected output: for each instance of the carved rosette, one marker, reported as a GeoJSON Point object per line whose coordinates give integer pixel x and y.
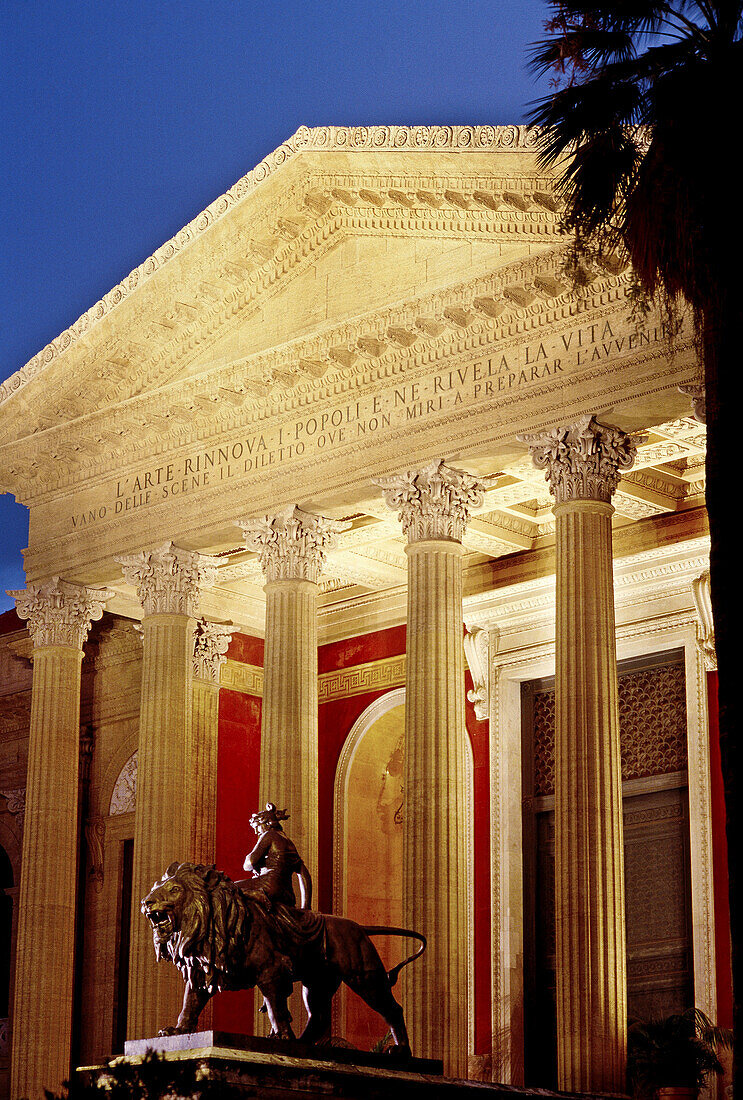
{"type": "Point", "coordinates": [169, 579]}
{"type": "Point", "coordinates": [433, 502]}
{"type": "Point", "coordinates": [584, 460]}
{"type": "Point", "coordinates": [60, 612]}
{"type": "Point", "coordinates": [211, 643]}
{"type": "Point", "coordinates": [705, 627]}
{"type": "Point", "coordinates": [292, 544]}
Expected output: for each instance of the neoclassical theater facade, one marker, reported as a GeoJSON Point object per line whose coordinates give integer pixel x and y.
{"type": "Point", "coordinates": [348, 499]}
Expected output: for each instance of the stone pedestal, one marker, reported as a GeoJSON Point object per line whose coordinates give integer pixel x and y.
{"type": "Point", "coordinates": [583, 464]}
{"type": "Point", "coordinates": [433, 505]}
{"type": "Point", "coordinates": [59, 615]}
{"type": "Point", "coordinates": [292, 550]}
{"type": "Point", "coordinates": [277, 1070]}
{"type": "Point", "coordinates": [168, 581]}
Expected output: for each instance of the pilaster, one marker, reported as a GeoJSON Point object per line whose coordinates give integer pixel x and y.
{"type": "Point", "coordinates": [211, 642]}
{"type": "Point", "coordinates": [583, 464]}
{"type": "Point", "coordinates": [59, 615]}
{"type": "Point", "coordinates": [433, 505]}
{"type": "Point", "coordinates": [168, 581]}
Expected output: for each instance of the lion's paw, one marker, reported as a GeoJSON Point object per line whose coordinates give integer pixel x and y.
{"type": "Point", "coordinates": [164, 1031]}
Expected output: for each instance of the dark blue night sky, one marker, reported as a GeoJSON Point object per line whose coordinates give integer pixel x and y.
{"type": "Point", "coordinates": [122, 120]}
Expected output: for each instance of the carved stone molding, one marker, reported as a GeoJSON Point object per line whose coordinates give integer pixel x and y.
{"type": "Point", "coordinates": [211, 643]}
{"type": "Point", "coordinates": [328, 138]}
{"type": "Point", "coordinates": [433, 502]}
{"type": "Point", "coordinates": [16, 799]}
{"type": "Point", "coordinates": [60, 612]}
{"type": "Point", "coordinates": [476, 650]}
{"type": "Point", "coordinates": [292, 544]}
{"type": "Point", "coordinates": [698, 396]}
{"type": "Point", "coordinates": [169, 579]}
{"type": "Point", "coordinates": [584, 460]}
{"type": "Point", "coordinates": [705, 627]}
{"type": "Point", "coordinates": [238, 676]}
{"type": "Point", "coordinates": [95, 835]}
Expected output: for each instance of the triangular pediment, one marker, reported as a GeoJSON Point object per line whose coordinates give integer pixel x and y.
{"type": "Point", "coordinates": [333, 226]}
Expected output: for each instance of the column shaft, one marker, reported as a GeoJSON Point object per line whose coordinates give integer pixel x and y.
{"type": "Point", "coordinates": [589, 871]}
{"type": "Point", "coordinates": [583, 464]}
{"type": "Point", "coordinates": [42, 1024]}
{"type": "Point", "coordinates": [435, 867]}
{"type": "Point", "coordinates": [289, 768]}
{"type": "Point", "coordinates": [163, 826]}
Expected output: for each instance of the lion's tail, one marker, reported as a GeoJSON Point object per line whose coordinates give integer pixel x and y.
{"type": "Point", "coordinates": [382, 930]}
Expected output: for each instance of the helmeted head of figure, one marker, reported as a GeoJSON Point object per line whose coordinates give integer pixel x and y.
{"type": "Point", "coordinates": [270, 818]}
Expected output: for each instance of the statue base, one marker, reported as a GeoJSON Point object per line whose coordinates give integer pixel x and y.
{"type": "Point", "coordinates": [277, 1069]}
{"type": "Point", "coordinates": [216, 1043]}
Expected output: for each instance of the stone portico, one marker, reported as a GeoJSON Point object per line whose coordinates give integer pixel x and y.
{"type": "Point", "coordinates": [324, 411]}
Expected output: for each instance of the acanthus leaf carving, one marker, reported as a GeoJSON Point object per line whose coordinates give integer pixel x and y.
{"type": "Point", "coordinates": [211, 642]}
{"type": "Point", "coordinates": [292, 544]}
{"type": "Point", "coordinates": [433, 502]}
{"type": "Point", "coordinates": [60, 613]}
{"type": "Point", "coordinates": [583, 461]}
{"type": "Point", "coordinates": [169, 579]}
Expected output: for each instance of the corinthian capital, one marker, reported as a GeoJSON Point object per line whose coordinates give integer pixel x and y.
{"type": "Point", "coordinates": [211, 643]}
{"type": "Point", "coordinates": [584, 460]}
{"type": "Point", "coordinates": [433, 502]}
{"type": "Point", "coordinates": [60, 612]}
{"type": "Point", "coordinates": [169, 580]}
{"type": "Point", "coordinates": [292, 544]}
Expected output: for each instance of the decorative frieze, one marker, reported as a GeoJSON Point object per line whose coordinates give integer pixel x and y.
{"type": "Point", "coordinates": [237, 676]}
{"type": "Point", "coordinates": [292, 544]}
{"type": "Point", "coordinates": [211, 642]}
{"type": "Point", "coordinates": [169, 579]}
{"type": "Point", "coordinates": [124, 795]}
{"type": "Point", "coordinates": [433, 502]}
{"type": "Point", "coordinates": [60, 612]}
{"type": "Point", "coordinates": [583, 461]}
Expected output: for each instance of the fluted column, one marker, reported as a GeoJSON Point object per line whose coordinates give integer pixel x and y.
{"type": "Point", "coordinates": [292, 549]}
{"type": "Point", "coordinates": [210, 652]}
{"type": "Point", "coordinates": [582, 464]}
{"type": "Point", "coordinates": [433, 505]}
{"type": "Point", "coordinates": [168, 581]}
{"type": "Point", "coordinates": [59, 616]}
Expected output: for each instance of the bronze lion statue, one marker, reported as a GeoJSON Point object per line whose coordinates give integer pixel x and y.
{"type": "Point", "coordinates": [220, 938]}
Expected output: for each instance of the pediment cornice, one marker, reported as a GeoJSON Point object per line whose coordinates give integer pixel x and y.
{"type": "Point", "coordinates": [450, 181]}
{"type": "Point", "coordinates": [491, 311]}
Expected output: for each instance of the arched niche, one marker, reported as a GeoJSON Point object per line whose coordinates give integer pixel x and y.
{"type": "Point", "coordinates": [368, 857]}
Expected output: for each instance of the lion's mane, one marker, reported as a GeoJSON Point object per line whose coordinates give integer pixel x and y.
{"type": "Point", "coordinates": [209, 947]}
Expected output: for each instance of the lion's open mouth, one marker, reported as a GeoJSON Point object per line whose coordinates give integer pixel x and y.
{"type": "Point", "coordinates": [161, 921]}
